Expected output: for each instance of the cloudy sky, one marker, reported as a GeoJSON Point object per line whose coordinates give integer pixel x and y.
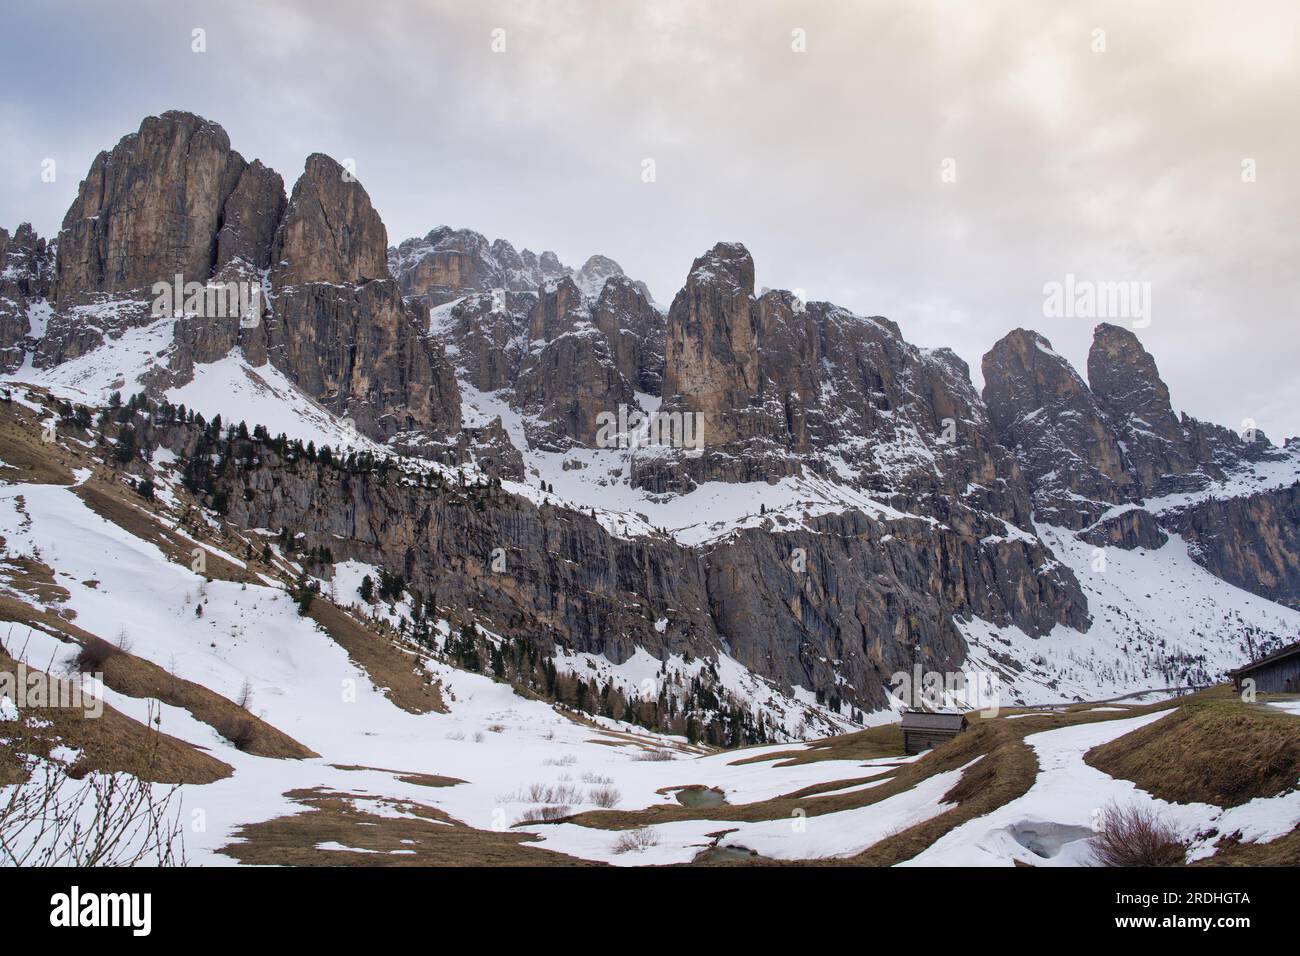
{"type": "Point", "coordinates": [935, 162]}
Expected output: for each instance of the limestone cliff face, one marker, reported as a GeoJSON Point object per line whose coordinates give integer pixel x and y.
{"type": "Point", "coordinates": [330, 232]}
{"type": "Point", "coordinates": [816, 388]}
{"type": "Point", "coordinates": [1114, 463]}
{"type": "Point", "coordinates": [149, 209]}
{"type": "Point", "coordinates": [558, 355]}
{"type": "Point", "coordinates": [868, 598]}
{"type": "Point", "coordinates": [711, 344]}
{"type": "Point", "coordinates": [340, 328]}
{"type": "Point", "coordinates": [569, 377]}
{"type": "Point", "coordinates": [1251, 541]}
{"type": "Point", "coordinates": [26, 276]}
{"type": "Point", "coordinates": [251, 216]}
{"type": "Point", "coordinates": [448, 263]}
{"type": "Point", "coordinates": [635, 330]}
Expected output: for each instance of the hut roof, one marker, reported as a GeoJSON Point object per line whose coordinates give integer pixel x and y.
{"type": "Point", "coordinates": [1283, 652]}
{"type": "Point", "coordinates": [924, 720]}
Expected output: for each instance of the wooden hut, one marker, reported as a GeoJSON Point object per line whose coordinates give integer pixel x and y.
{"type": "Point", "coordinates": [1276, 673]}
{"type": "Point", "coordinates": [924, 731]}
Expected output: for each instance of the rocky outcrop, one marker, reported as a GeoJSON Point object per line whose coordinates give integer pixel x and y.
{"type": "Point", "coordinates": [175, 199]}
{"type": "Point", "coordinates": [26, 276]}
{"type": "Point", "coordinates": [635, 330]}
{"type": "Point", "coordinates": [149, 209]}
{"type": "Point", "coordinates": [1128, 389]}
{"type": "Point", "coordinates": [250, 218]}
{"type": "Point", "coordinates": [813, 386]}
{"type": "Point", "coordinates": [1129, 528]}
{"type": "Point", "coordinates": [711, 344]}
{"type": "Point", "coordinates": [1044, 413]}
{"type": "Point", "coordinates": [360, 351]}
{"type": "Point", "coordinates": [330, 232]}
{"type": "Point", "coordinates": [566, 384]}
{"type": "Point", "coordinates": [1252, 541]}
{"type": "Point", "coordinates": [560, 357]}
{"type": "Point", "coordinates": [340, 328]}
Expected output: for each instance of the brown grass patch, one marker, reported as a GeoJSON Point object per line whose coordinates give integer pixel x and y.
{"type": "Point", "coordinates": [1284, 851]}
{"type": "Point", "coordinates": [432, 839]}
{"type": "Point", "coordinates": [389, 667]}
{"type": "Point", "coordinates": [1213, 749]}
{"type": "Point", "coordinates": [417, 779]}
{"type": "Point", "coordinates": [109, 743]}
{"type": "Point", "coordinates": [30, 459]}
{"type": "Point", "coordinates": [883, 741]}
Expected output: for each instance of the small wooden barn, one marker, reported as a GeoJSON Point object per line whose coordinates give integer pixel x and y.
{"type": "Point", "coordinates": [1277, 673]}
{"type": "Point", "coordinates": [923, 730]}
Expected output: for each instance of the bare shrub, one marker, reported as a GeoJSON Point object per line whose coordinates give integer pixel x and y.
{"type": "Point", "coordinates": [496, 728]}
{"type": "Point", "coordinates": [1135, 836]}
{"type": "Point", "coordinates": [545, 793]}
{"type": "Point", "coordinates": [94, 654]}
{"type": "Point", "coordinates": [605, 797]}
{"type": "Point", "coordinates": [633, 841]}
{"type": "Point", "coordinates": [245, 699]}
{"type": "Point", "coordinates": [241, 731]}
{"type": "Point", "coordinates": [590, 777]}
{"type": "Point", "coordinates": [655, 755]}
{"type": "Point", "coordinates": [568, 760]}
{"type": "Point", "coordinates": [544, 813]}
{"type": "Point", "coordinates": [101, 819]}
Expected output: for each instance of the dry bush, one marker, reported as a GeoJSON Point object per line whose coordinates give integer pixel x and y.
{"type": "Point", "coordinates": [94, 654]}
{"type": "Point", "coordinates": [240, 731]}
{"type": "Point", "coordinates": [544, 793]}
{"type": "Point", "coordinates": [568, 760]}
{"type": "Point", "coordinates": [548, 812]}
{"type": "Point", "coordinates": [1135, 836]}
{"type": "Point", "coordinates": [655, 755]}
{"type": "Point", "coordinates": [605, 797]}
{"type": "Point", "coordinates": [590, 777]}
{"type": "Point", "coordinates": [496, 728]}
{"type": "Point", "coordinates": [633, 841]}
{"type": "Point", "coordinates": [245, 695]}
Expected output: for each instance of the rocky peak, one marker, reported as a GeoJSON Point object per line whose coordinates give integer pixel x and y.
{"type": "Point", "coordinates": [711, 360]}
{"type": "Point", "coordinates": [330, 231]}
{"type": "Point", "coordinates": [1041, 409]}
{"type": "Point", "coordinates": [149, 209]}
{"type": "Point", "coordinates": [595, 272]}
{"type": "Point", "coordinates": [1130, 392]}
{"type": "Point", "coordinates": [448, 263]}
{"type": "Point", "coordinates": [635, 329]}
{"type": "Point", "coordinates": [250, 218]}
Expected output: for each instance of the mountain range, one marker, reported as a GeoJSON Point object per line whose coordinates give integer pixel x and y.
{"type": "Point", "coordinates": [853, 507]}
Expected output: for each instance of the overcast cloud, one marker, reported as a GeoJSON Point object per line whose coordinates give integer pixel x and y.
{"type": "Point", "coordinates": [1117, 165]}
